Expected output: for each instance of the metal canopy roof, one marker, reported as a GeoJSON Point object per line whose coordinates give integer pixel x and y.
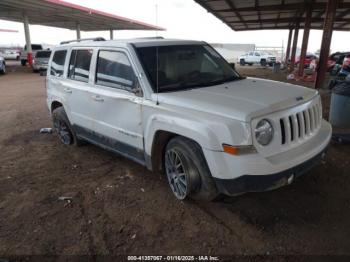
{"type": "Point", "coordinates": [66, 15]}
{"type": "Point", "coordinates": [243, 15]}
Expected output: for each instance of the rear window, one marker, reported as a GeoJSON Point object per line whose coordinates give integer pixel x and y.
{"type": "Point", "coordinates": [79, 65]}
{"type": "Point", "coordinates": [43, 54]}
{"type": "Point", "coordinates": [34, 47]}
{"type": "Point", "coordinates": [57, 64]}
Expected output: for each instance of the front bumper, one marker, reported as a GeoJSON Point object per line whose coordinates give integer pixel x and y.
{"type": "Point", "coordinates": [249, 183]}
{"type": "Point", "coordinates": [40, 66]}
{"type": "Point", "coordinates": [226, 168]}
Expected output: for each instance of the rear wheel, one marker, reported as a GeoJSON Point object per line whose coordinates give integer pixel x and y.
{"type": "Point", "coordinates": [63, 128]}
{"type": "Point", "coordinates": [187, 170]}
{"type": "Point", "coordinates": [3, 70]}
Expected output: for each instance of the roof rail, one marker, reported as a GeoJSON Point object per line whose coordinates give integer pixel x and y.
{"type": "Point", "coordinates": [83, 39]}
{"type": "Point", "coordinates": [151, 37]}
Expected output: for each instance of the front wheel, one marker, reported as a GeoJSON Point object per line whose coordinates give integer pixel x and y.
{"type": "Point", "coordinates": [242, 62]}
{"type": "Point", "coordinates": [263, 62]}
{"type": "Point", "coordinates": [187, 170]}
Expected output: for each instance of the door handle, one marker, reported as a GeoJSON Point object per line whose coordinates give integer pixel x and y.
{"type": "Point", "coordinates": [67, 90]}
{"type": "Point", "coordinates": [97, 98]}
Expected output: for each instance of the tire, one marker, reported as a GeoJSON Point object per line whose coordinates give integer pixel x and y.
{"type": "Point", "coordinates": [23, 62]}
{"type": "Point", "coordinates": [250, 64]}
{"type": "Point", "coordinates": [242, 62]}
{"type": "Point", "coordinates": [35, 71]}
{"type": "Point", "coordinates": [192, 178]}
{"type": "Point", "coordinates": [263, 62]}
{"type": "Point", "coordinates": [3, 70]}
{"type": "Point", "coordinates": [17, 58]}
{"type": "Point", "coordinates": [63, 128]}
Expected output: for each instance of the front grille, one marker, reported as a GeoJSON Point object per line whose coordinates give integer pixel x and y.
{"type": "Point", "coordinates": [298, 126]}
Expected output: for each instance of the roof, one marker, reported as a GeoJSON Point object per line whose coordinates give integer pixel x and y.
{"type": "Point", "coordinates": [66, 15]}
{"type": "Point", "coordinates": [243, 15]}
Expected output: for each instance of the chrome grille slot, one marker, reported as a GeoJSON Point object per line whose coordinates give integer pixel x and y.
{"type": "Point", "coordinates": [298, 126]}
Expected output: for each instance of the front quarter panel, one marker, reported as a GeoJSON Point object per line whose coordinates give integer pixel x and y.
{"type": "Point", "coordinates": [209, 131]}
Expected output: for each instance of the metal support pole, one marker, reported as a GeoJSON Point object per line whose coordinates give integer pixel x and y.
{"type": "Point", "coordinates": [288, 45]}
{"type": "Point", "coordinates": [326, 42]}
{"type": "Point", "coordinates": [78, 31]}
{"type": "Point", "coordinates": [305, 41]}
{"type": "Point", "coordinates": [28, 42]}
{"type": "Point", "coordinates": [111, 34]}
{"type": "Point", "coordinates": [294, 47]}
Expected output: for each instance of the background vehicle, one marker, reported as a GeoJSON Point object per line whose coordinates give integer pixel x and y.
{"type": "Point", "coordinates": [41, 60]}
{"type": "Point", "coordinates": [256, 57]}
{"type": "Point", "coordinates": [178, 107]}
{"type": "Point", "coordinates": [2, 65]}
{"type": "Point", "coordinates": [308, 60]}
{"type": "Point", "coordinates": [35, 48]}
{"type": "Point", "coordinates": [10, 55]}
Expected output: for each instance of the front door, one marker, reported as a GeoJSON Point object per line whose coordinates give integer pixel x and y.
{"type": "Point", "coordinates": [117, 122]}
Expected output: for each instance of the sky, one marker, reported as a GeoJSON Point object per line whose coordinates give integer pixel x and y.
{"type": "Point", "coordinates": [183, 19]}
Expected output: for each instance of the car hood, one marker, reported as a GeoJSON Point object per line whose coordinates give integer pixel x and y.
{"type": "Point", "coordinates": [242, 99]}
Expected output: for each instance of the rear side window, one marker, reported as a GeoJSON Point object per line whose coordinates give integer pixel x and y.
{"type": "Point", "coordinates": [57, 64]}
{"type": "Point", "coordinates": [79, 65]}
{"type": "Point", "coordinates": [114, 70]}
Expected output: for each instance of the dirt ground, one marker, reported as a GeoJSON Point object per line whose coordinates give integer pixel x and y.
{"type": "Point", "coordinates": [118, 207]}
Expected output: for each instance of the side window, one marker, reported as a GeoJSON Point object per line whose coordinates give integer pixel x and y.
{"type": "Point", "coordinates": [57, 64]}
{"type": "Point", "coordinates": [251, 53]}
{"type": "Point", "coordinates": [114, 70]}
{"type": "Point", "coordinates": [257, 54]}
{"type": "Point", "coordinates": [79, 65]}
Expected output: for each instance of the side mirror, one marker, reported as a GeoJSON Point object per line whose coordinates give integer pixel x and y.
{"type": "Point", "coordinates": [137, 90]}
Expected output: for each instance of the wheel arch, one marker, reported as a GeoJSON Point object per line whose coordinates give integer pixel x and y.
{"type": "Point", "coordinates": [55, 104]}
{"type": "Point", "coordinates": [160, 129]}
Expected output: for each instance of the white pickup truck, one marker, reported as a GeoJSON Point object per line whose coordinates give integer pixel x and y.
{"type": "Point", "coordinates": [256, 57]}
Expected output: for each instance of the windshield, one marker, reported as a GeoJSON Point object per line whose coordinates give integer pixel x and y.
{"type": "Point", "coordinates": [43, 54]}
{"type": "Point", "coordinates": [184, 66]}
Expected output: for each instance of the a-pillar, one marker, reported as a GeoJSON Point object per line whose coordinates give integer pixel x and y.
{"type": "Point", "coordinates": [326, 42]}
{"type": "Point", "coordinates": [305, 41]}
{"type": "Point", "coordinates": [294, 47]}
{"type": "Point", "coordinates": [28, 42]}
{"type": "Point", "coordinates": [288, 45]}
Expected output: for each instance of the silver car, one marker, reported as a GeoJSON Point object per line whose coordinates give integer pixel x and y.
{"type": "Point", "coordinates": [41, 60]}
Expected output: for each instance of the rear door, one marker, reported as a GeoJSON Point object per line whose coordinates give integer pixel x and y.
{"type": "Point", "coordinates": [76, 89]}
{"type": "Point", "coordinates": [117, 120]}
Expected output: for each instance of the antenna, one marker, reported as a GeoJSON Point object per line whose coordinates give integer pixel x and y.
{"type": "Point", "coordinates": [157, 66]}
{"type": "Point", "coordinates": [157, 75]}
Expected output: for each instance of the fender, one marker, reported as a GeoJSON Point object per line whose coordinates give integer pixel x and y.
{"type": "Point", "coordinates": [209, 135]}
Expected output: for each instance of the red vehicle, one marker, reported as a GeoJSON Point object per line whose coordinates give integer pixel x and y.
{"type": "Point", "coordinates": [307, 62]}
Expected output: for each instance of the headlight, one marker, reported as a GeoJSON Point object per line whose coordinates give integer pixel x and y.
{"type": "Point", "coordinates": [264, 132]}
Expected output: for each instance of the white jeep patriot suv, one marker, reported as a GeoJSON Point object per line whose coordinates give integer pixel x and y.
{"type": "Point", "coordinates": [178, 107]}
